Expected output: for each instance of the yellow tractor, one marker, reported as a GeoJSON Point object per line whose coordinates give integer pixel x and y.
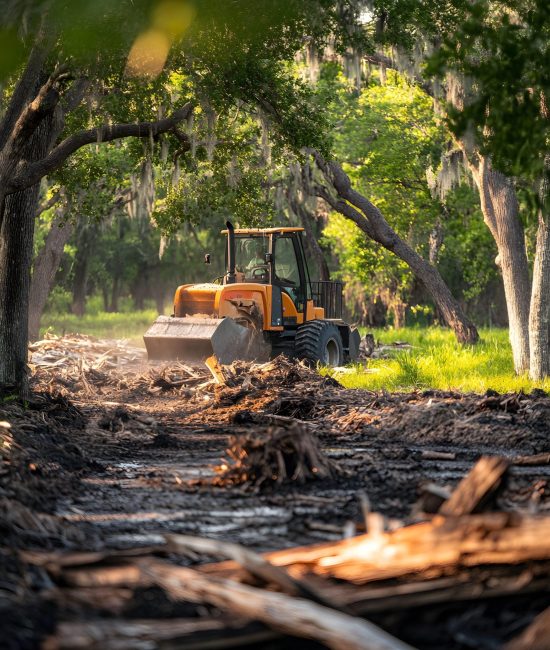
{"type": "Point", "coordinates": [263, 306]}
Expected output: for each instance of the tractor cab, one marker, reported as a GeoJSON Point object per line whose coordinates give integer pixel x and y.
{"type": "Point", "coordinates": [273, 256]}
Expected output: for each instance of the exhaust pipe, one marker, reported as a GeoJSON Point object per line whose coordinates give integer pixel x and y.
{"type": "Point", "coordinates": [231, 275]}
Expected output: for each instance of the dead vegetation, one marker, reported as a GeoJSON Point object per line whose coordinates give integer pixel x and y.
{"type": "Point", "coordinates": [277, 455]}
{"type": "Point", "coordinates": [107, 466]}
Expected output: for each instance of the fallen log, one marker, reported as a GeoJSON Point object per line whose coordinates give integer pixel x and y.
{"type": "Point", "coordinates": [256, 565]}
{"type": "Point", "coordinates": [427, 549]}
{"type": "Point", "coordinates": [192, 634]}
{"type": "Point", "coordinates": [533, 460]}
{"type": "Point", "coordinates": [289, 615]}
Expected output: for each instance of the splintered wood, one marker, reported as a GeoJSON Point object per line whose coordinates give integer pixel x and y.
{"type": "Point", "coordinates": [321, 592]}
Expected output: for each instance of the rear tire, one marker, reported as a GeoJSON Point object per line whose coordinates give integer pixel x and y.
{"type": "Point", "coordinates": [319, 341]}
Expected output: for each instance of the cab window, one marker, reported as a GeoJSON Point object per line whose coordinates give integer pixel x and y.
{"type": "Point", "coordinates": [250, 263]}
{"type": "Point", "coordinates": [287, 274]}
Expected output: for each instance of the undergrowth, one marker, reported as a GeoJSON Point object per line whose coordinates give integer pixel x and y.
{"type": "Point", "coordinates": [437, 361]}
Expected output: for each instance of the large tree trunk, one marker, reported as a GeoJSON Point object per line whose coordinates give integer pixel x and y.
{"type": "Point", "coordinates": [45, 268]}
{"type": "Point", "coordinates": [500, 209]}
{"type": "Point", "coordinates": [16, 250]}
{"type": "Point", "coordinates": [370, 220]}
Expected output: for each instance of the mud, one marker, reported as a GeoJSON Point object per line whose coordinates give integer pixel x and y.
{"type": "Point", "coordinates": [111, 461]}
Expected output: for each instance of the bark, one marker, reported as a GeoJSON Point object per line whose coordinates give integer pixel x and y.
{"type": "Point", "coordinates": [370, 220]}
{"type": "Point", "coordinates": [45, 268]}
{"type": "Point", "coordinates": [500, 209]}
{"type": "Point", "coordinates": [16, 250]}
{"type": "Point", "coordinates": [23, 93]}
{"type": "Point", "coordinates": [539, 315]}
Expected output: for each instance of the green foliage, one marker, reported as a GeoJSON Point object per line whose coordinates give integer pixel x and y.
{"type": "Point", "coordinates": [387, 137]}
{"type": "Point", "coordinates": [467, 256]}
{"type": "Point", "coordinates": [437, 361]}
{"type": "Point", "coordinates": [503, 48]}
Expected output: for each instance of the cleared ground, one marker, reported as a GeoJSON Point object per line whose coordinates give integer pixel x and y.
{"type": "Point", "coordinates": [109, 458]}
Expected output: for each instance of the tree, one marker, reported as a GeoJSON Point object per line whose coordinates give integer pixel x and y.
{"type": "Point", "coordinates": [491, 61]}
{"type": "Point", "coordinates": [505, 50]}
{"type": "Point", "coordinates": [370, 220]}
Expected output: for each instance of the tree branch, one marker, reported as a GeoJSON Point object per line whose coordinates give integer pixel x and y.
{"type": "Point", "coordinates": [33, 172]}
{"type": "Point", "coordinates": [368, 217]}
{"type": "Point", "coordinates": [23, 92]}
{"type": "Point", "coordinates": [346, 209]}
{"type": "Point", "coordinates": [30, 117]}
{"type": "Point", "coordinates": [46, 205]}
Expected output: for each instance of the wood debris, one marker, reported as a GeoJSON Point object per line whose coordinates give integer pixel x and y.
{"type": "Point", "coordinates": [278, 455]}
{"type": "Point", "coordinates": [104, 476]}
{"type": "Point", "coordinates": [321, 592]}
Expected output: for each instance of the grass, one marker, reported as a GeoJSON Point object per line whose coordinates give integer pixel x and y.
{"type": "Point", "coordinates": [120, 325]}
{"type": "Point", "coordinates": [437, 361]}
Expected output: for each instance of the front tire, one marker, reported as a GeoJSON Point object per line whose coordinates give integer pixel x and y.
{"type": "Point", "coordinates": [319, 341]}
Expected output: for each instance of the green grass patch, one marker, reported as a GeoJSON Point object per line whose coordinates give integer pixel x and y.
{"type": "Point", "coordinates": [437, 361]}
{"type": "Point", "coordinates": [105, 325]}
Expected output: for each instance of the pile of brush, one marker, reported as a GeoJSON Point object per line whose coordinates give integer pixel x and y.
{"type": "Point", "coordinates": [280, 454]}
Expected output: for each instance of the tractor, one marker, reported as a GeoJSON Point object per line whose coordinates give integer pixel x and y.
{"type": "Point", "coordinates": [264, 305]}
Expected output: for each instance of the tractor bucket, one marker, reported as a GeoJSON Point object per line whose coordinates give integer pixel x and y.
{"type": "Point", "coordinates": [193, 340]}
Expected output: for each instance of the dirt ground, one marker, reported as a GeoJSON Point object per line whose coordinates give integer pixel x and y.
{"type": "Point", "coordinates": [115, 459]}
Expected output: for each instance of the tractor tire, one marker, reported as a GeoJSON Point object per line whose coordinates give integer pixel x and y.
{"type": "Point", "coordinates": [319, 341]}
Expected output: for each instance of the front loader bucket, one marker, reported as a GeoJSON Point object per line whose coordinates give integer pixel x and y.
{"type": "Point", "coordinates": [193, 340]}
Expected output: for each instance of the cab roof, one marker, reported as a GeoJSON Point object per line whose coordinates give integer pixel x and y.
{"type": "Point", "coordinates": [262, 231]}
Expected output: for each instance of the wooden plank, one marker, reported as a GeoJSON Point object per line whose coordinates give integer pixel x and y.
{"type": "Point", "coordinates": [475, 487]}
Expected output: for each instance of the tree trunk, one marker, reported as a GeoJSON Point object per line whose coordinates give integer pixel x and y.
{"type": "Point", "coordinates": [539, 315]}
{"type": "Point", "coordinates": [16, 250]}
{"type": "Point", "coordinates": [45, 268]}
{"type": "Point", "coordinates": [398, 309]}
{"type": "Point", "coordinates": [369, 219]}
{"type": "Point", "coordinates": [105, 294]}
{"type": "Point", "coordinates": [159, 301]}
{"type": "Point", "coordinates": [85, 244]}
{"type": "Point", "coordinates": [115, 291]}
{"type": "Point", "coordinates": [500, 209]}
